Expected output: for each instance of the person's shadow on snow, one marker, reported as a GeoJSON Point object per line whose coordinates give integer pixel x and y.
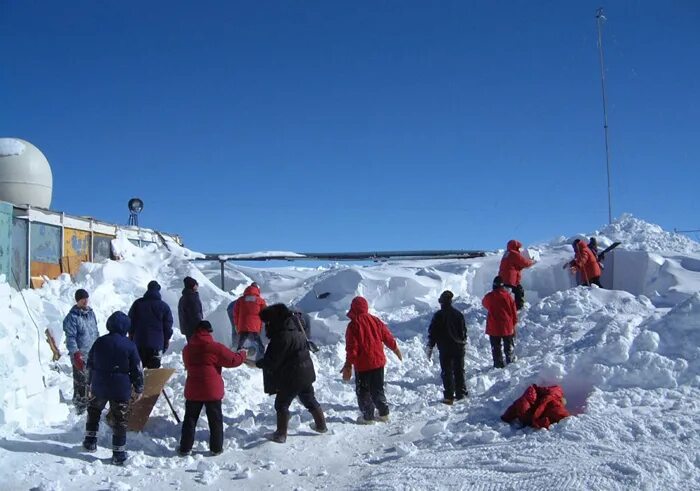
{"type": "Point", "coordinates": [44, 447]}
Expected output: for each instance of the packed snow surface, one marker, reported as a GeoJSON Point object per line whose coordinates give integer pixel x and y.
{"type": "Point", "coordinates": [11, 146]}
{"type": "Point", "coordinates": [628, 360]}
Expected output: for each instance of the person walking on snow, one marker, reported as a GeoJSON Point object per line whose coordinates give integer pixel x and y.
{"type": "Point", "coordinates": [448, 330]}
{"type": "Point", "coordinates": [365, 338]}
{"type": "Point", "coordinates": [246, 317]}
{"type": "Point", "coordinates": [114, 367]}
{"type": "Point", "coordinates": [204, 387]}
{"type": "Point", "coordinates": [80, 328]}
{"type": "Point", "coordinates": [585, 262]}
{"type": "Point", "coordinates": [288, 371]}
{"type": "Point", "coordinates": [511, 268]}
{"type": "Point", "coordinates": [500, 323]}
{"type": "Point", "coordinates": [189, 308]}
{"type": "Point", "coordinates": [151, 326]}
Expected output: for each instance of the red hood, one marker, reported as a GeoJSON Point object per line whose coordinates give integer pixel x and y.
{"type": "Point", "coordinates": [514, 245]}
{"type": "Point", "coordinates": [252, 290]}
{"type": "Point", "coordinates": [358, 306]}
{"type": "Point", "coordinates": [201, 336]}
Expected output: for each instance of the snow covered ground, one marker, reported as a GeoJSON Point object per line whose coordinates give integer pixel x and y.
{"type": "Point", "coordinates": [628, 359]}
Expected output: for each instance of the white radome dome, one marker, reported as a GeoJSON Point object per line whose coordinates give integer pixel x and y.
{"type": "Point", "coordinates": [25, 174]}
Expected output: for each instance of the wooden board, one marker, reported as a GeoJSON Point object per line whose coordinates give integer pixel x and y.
{"type": "Point", "coordinates": [154, 379]}
{"type": "Point", "coordinates": [71, 264]}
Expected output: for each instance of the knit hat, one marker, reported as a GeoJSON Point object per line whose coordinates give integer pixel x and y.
{"type": "Point", "coordinates": [205, 325]}
{"type": "Point", "coordinates": [497, 282]}
{"type": "Point", "coordinates": [81, 294]}
{"type": "Point", "coordinates": [153, 285]}
{"type": "Point", "coordinates": [190, 282]}
{"type": "Point", "coordinates": [446, 297]}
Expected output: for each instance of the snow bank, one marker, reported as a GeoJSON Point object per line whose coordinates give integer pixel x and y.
{"type": "Point", "coordinates": [629, 363]}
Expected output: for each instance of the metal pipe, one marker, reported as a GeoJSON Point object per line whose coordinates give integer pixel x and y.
{"type": "Point", "coordinates": [599, 21]}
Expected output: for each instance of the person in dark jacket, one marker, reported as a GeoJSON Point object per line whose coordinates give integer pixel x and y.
{"type": "Point", "coordinates": [115, 368]}
{"type": "Point", "coordinates": [151, 326]}
{"type": "Point", "coordinates": [288, 370]}
{"type": "Point", "coordinates": [204, 387]}
{"type": "Point", "coordinates": [500, 322]}
{"type": "Point", "coordinates": [189, 308]}
{"type": "Point", "coordinates": [80, 328]}
{"type": "Point", "coordinates": [448, 330]}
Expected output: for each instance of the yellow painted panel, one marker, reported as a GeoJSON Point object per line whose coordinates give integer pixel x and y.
{"type": "Point", "coordinates": [76, 243]}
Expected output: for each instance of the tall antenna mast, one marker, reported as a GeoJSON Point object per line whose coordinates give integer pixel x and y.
{"type": "Point", "coordinates": [599, 20]}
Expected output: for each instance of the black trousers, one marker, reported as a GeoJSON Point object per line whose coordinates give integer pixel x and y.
{"type": "Point", "coordinates": [306, 396]}
{"type": "Point", "coordinates": [216, 425]}
{"type": "Point", "coordinates": [518, 294]}
{"type": "Point", "coordinates": [593, 281]}
{"type": "Point", "coordinates": [452, 372]}
{"type": "Point", "coordinates": [369, 387]}
{"type": "Point", "coordinates": [508, 343]}
{"type": "Point", "coordinates": [150, 358]}
{"type": "Point", "coordinates": [80, 389]}
{"type": "Point", "coordinates": [120, 415]}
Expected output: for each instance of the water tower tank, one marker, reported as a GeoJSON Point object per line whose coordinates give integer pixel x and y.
{"type": "Point", "coordinates": [25, 174]}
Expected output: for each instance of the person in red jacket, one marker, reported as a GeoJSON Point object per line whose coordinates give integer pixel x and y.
{"type": "Point", "coordinates": [246, 317]}
{"type": "Point", "coordinates": [365, 338]}
{"type": "Point", "coordinates": [538, 407]}
{"type": "Point", "coordinates": [204, 386]}
{"type": "Point", "coordinates": [585, 262]}
{"type": "Point", "coordinates": [500, 322]}
{"type": "Point", "coordinates": [512, 265]}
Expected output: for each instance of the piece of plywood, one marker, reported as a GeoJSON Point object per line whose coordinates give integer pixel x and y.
{"type": "Point", "coordinates": [39, 269]}
{"type": "Point", "coordinates": [154, 379]}
{"type": "Point", "coordinates": [71, 264]}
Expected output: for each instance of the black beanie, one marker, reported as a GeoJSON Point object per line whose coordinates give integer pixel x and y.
{"type": "Point", "coordinates": [190, 282]}
{"type": "Point", "coordinates": [497, 282]}
{"type": "Point", "coordinates": [81, 294]}
{"type": "Point", "coordinates": [446, 297]}
{"type": "Point", "coordinates": [153, 285]}
{"type": "Point", "coordinates": [205, 325]}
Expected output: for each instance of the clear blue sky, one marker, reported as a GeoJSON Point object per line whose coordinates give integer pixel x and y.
{"type": "Point", "coordinates": [329, 125]}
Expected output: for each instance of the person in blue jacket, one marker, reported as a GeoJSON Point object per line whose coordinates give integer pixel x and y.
{"type": "Point", "coordinates": [114, 367]}
{"type": "Point", "coordinates": [151, 326]}
{"type": "Point", "coordinates": [80, 328]}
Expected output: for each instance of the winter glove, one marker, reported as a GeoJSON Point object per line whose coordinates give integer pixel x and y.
{"type": "Point", "coordinates": [397, 352]}
{"type": "Point", "coordinates": [347, 372]}
{"type": "Point", "coordinates": [78, 361]}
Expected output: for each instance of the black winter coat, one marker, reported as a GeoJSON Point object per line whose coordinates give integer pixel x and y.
{"type": "Point", "coordinates": [151, 322]}
{"type": "Point", "coordinates": [448, 329]}
{"type": "Point", "coordinates": [287, 364]}
{"type": "Point", "coordinates": [189, 311]}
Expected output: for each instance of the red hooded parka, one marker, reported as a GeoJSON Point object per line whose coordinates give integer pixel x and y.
{"type": "Point", "coordinates": [365, 338]}
{"type": "Point", "coordinates": [246, 311]}
{"type": "Point", "coordinates": [503, 314]}
{"type": "Point", "coordinates": [538, 407]}
{"type": "Point", "coordinates": [512, 264]}
{"type": "Point", "coordinates": [586, 262]}
{"type": "Point", "coordinates": [203, 359]}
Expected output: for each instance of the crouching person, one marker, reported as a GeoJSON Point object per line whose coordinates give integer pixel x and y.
{"type": "Point", "coordinates": [114, 368]}
{"type": "Point", "coordinates": [204, 387]}
{"type": "Point", "coordinates": [288, 370]}
{"type": "Point", "coordinates": [365, 338]}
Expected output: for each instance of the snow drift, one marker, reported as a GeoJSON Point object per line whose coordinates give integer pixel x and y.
{"type": "Point", "coordinates": [628, 360]}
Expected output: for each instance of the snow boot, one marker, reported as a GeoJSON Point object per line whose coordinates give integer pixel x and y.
{"type": "Point", "coordinates": [214, 453]}
{"type": "Point", "coordinates": [383, 419]}
{"type": "Point", "coordinates": [447, 401]}
{"type": "Point", "coordinates": [319, 420]}
{"type": "Point", "coordinates": [364, 421]}
{"type": "Point", "coordinates": [183, 453]}
{"type": "Point", "coordinates": [280, 434]}
{"type": "Point", "coordinates": [119, 457]}
{"type": "Point", "coordinates": [90, 441]}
